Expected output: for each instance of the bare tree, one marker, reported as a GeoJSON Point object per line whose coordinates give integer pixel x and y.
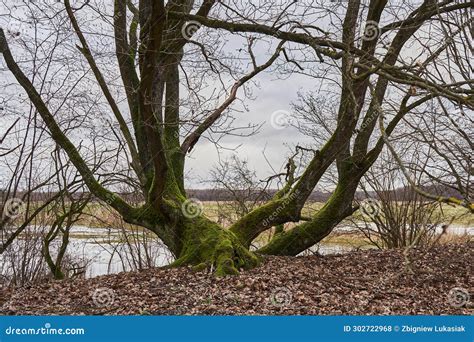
{"type": "Point", "coordinates": [155, 50]}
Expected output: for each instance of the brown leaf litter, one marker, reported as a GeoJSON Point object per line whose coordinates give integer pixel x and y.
{"type": "Point", "coordinates": [359, 283]}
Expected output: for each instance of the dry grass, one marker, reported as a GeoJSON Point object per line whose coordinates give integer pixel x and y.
{"type": "Point", "coordinates": [101, 216]}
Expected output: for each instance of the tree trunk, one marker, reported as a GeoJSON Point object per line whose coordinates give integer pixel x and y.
{"type": "Point", "coordinates": [206, 245]}
{"type": "Point", "coordinates": [307, 234]}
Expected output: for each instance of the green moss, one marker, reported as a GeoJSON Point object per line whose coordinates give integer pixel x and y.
{"type": "Point", "coordinates": [311, 232]}
{"type": "Point", "coordinates": [248, 228]}
{"type": "Point", "coordinates": [201, 267]}
{"type": "Point", "coordinates": [224, 258]}
{"type": "Point", "coordinates": [205, 244]}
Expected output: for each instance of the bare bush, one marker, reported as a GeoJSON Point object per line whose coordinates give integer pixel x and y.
{"type": "Point", "coordinates": [394, 215]}
{"type": "Point", "coordinates": [239, 184]}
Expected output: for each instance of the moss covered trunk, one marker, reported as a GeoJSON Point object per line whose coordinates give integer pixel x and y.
{"type": "Point", "coordinates": [307, 234]}
{"type": "Point", "coordinates": [204, 244]}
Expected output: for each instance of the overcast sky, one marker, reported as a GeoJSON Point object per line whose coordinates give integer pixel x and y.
{"type": "Point", "coordinates": [271, 96]}
{"type": "Point", "coordinates": [272, 99]}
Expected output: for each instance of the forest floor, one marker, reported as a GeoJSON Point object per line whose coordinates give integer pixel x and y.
{"type": "Point", "coordinates": [358, 283]}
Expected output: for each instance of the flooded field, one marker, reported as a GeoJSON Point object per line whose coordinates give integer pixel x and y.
{"type": "Point", "coordinates": [102, 251]}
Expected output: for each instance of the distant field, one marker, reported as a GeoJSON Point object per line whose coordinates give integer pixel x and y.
{"type": "Point", "coordinates": [461, 215]}
{"type": "Point", "coordinates": [98, 215]}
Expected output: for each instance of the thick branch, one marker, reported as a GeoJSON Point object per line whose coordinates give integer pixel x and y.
{"type": "Point", "coordinates": [103, 85]}
{"type": "Point", "coordinates": [152, 38]}
{"type": "Point", "coordinates": [58, 136]}
{"type": "Point", "coordinates": [194, 136]}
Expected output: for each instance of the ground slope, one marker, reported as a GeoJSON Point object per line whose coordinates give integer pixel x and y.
{"type": "Point", "coordinates": [359, 283]}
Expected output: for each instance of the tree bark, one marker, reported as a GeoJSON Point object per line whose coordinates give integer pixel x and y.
{"type": "Point", "coordinates": [206, 245]}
